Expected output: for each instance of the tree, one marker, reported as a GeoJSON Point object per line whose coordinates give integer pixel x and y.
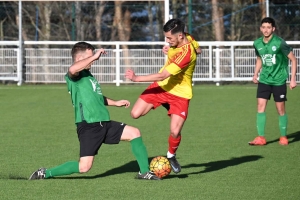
{"type": "Point", "coordinates": [218, 22]}
{"type": "Point", "coordinates": [235, 21]}
{"type": "Point", "coordinates": [99, 7]}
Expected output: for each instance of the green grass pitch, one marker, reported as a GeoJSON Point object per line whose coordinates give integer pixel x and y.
{"type": "Point", "coordinates": [37, 130]}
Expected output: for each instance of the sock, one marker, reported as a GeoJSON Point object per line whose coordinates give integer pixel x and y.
{"type": "Point", "coordinates": [140, 152]}
{"type": "Point", "coordinates": [173, 144]}
{"type": "Point", "coordinates": [283, 120]}
{"type": "Point", "coordinates": [67, 168]}
{"type": "Point", "coordinates": [261, 123]}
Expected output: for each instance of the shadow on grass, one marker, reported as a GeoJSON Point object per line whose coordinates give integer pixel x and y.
{"type": "Point", "coordinates": [293, 137]}
{"type": "Point", "coordinates": [218, 165]}
{"type": "Point", "coordinates": [13, 177]}
{"type": "Point", "coordinates": [132, 166]}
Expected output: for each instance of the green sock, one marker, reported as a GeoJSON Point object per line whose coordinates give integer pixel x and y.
{"type": "Point", "coordinates": [140, 152]}
{"type": "Point", "coordinates": [261, 123]}
{"type": "Point", "coordinates": [283, 120]}
{"type": "Point", "coordinates": [67, 168]}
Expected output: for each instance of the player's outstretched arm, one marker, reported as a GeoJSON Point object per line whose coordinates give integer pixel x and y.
{"type": "Point", "coordinates": [118, 103]}
{"type": "Point", "coordinates": [147, 78]}
{"type": "Point", "coordinates": [85, 63]}
{"type": "Point", "coordinates": [293, 59]}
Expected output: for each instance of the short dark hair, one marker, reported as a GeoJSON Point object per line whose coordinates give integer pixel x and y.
{"type": "Point", "coordinates": [175, 26]}
{"type": "Point", "coordinates": [268, 20]}
{"type": "Point", "coordinates": [81, 47]}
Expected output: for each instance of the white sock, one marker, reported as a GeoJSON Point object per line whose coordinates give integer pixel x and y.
{"type": "Point", "coordinates": [169, 155]}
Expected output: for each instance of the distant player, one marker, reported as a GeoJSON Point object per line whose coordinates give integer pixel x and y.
{"type": "Point", "coordinates": [172, 85]}
{"type": "Point", "coordinates": [92, 119]}
{"type": "Point", "coordinates": [272, 62]}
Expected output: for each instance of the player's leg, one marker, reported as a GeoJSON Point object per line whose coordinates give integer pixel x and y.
{"type": "Point", "coordinates": [178, 112]}
{"type": "Point", "coordinates": [279, 93]}
{"type": "Point", "coordinates": [120, 131]}
{"type": "Point", "coordinates": [174, 141]}
{"type": "Point", "coordinates": [90, 138]}
{"type": "Point", "coordinates": [149, 99]}
{"type": "Point", "coordinates": [261, 116]}
{"type": "Point", "coordinates": [263, 95]}
{"type": "Point", "coordinates": [140, 108]}
{"type": "Point", "coordinates": [67, 168]}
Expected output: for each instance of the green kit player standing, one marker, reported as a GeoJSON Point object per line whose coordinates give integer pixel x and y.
{"type": "Point", "coordinates": [92, 119]}
{"type": "Point", "coordinates": [272, 62]}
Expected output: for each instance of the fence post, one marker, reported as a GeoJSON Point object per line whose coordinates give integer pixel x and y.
{"type": "Point", "coordinates": [232, 61]}
{"type": "Point", "coordinates": [210, 55]}
{"type": "Point", "coordinates": [217, 50]}
{"type": "Point", "coordinates": [117, 64]}
{"type": "Point", "coordinates": [20, 51]}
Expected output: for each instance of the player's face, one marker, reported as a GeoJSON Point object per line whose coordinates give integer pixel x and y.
{"type": "Point", "coordinates": [172, 39]}
{"type": "Point", "coordinates": [267, 29]}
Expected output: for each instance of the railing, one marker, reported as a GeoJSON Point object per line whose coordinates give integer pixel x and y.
{"type": "Point", "coordinates": [219, 61]}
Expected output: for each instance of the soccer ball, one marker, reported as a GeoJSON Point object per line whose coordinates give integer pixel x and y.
{"type": "Point", "coordinates": [160, 165]}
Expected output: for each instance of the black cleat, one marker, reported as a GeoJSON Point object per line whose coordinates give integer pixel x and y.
{"type": "Point", "coordinates": [38, 174]}
{"type": "Point", "coordinates": [147, 176]}
{"type": "Point", "coordinates": [174, 164]}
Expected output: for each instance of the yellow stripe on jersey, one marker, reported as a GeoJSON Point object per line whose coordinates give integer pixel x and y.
{"type": "Point", "coordinates": [180, 64]}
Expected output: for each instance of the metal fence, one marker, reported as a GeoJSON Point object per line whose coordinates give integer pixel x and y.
{"type": "Point", "coordinates": [219, 61]}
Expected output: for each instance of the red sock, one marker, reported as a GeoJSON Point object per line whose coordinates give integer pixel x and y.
{"type": "Point", "coordinates": [174, 143]}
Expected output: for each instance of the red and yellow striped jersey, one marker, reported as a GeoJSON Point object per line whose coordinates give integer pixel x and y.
{"type": "Point", "coordinates": [180, 64]}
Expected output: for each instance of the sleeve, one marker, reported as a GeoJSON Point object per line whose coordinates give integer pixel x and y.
{"type": "Point", "coordinates": [105, 100]}
{"type": "Point", "coordinates": [285, 48]}
{"type": "Point", "coordinates": [180, 61]}
{"type": "Point", "coordinates": [256, 52]}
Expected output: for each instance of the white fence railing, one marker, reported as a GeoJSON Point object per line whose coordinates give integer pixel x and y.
{"type": "Point", "coordinates": [47, 62]}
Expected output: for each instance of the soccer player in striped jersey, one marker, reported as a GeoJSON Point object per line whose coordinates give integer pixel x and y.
{"type": "Point", "coordinates": [172, 85]}
{"type": "Point", "coordinates": [273, 55]}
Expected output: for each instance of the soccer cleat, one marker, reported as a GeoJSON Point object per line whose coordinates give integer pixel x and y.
{"type": "Point", "coordinates": [174, 164]}
{"type": "Point", "coordinates": [283, 140]}
{"type": "Point", "coordinates": [147, 176]}
{"type": "Point", "coordinates": [38, 174]}
{"type": "Point", "coordinates": [260, 140]}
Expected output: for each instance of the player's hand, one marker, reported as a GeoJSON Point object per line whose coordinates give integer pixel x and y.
{"type": "Point", "coordinates": [124, 103]}
{"type": "Point", "coordinates": [99, 53]}
{"type": "Point", "coordinates": [165, 49]}
{"type": "Point", "coordinates": [293, 84]}
{"type": "Point", "coordinates": [130, 75]}
{"type": "Point", "coordinates": [255, 79]}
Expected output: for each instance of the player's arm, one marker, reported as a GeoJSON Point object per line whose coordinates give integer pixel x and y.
{"type": "Point", "coordinates": [119, 103]}
{"type": "Point", "coordinates": [80, 65]}
{"type": "Point", "coordinates": [147, 78]}
{"type": "Point", "coordinates": [293, 59]}
{"type": "Point", "coordinates": [258, 66]}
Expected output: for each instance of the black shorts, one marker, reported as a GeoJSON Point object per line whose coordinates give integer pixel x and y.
{"type": "Point", "coordinates": [264, 91]}
{"type": "Point", "coordinates": [92, 135]}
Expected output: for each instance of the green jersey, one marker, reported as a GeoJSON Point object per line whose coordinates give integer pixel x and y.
{"type": "Point", "coordinates": [87, 98]}
{"type": "Point", "coordinates": [275, 63]}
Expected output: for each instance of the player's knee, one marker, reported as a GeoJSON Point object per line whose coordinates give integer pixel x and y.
{"type": "Point", "coordinates": [84, 167]}
{"type": "Point", "coordinates": [135, 133]}
{"type": "Point", "coordinates": [281, 112]}
{"type": "Point", "coordinates": [134, 114]}
{"type": "Point", "coordinates": [174, 133]}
